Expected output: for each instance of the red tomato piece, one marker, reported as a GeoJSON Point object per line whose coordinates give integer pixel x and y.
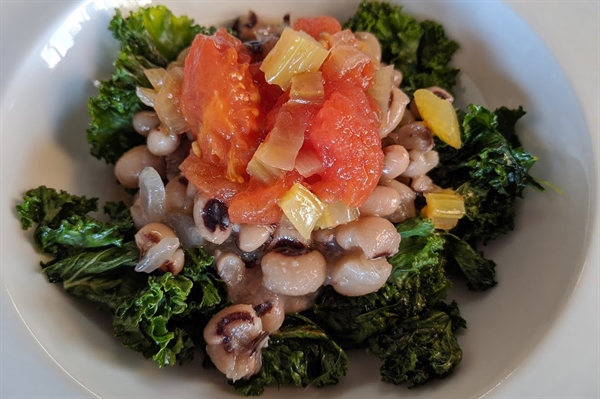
{"type": "Point", "coordinates": [209, 179]}
{"type": "Point", "coordinates": [314, 26]}
{"type": "Point", "coordinates": [269, 94]}
{"type": "Point", "coordinates": [347, 64]}
{"type": "Point", "coordinates": [345, 137]}
{"type": "Point", "coordinates": [222, 103]}
{"type": "Point", "coordinates": [258, 203]}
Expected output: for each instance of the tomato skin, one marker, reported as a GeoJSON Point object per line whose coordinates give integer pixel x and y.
{"type": "Point", "coordinates": [347, 64]}
{"type": "Point", "coordinates": [314, 26]}
{"type": "Point", "coordinates": [258, 203]}
{"type": "Point", "coordinates": [345, 137]}
{"type": "Point", "coordinates": [222, 103]}
{"type": "Point", "coordinates": [210, 180]}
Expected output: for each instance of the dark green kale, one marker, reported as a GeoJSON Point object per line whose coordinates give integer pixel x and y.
{"type": "Point", "coordinates": [120, 216]}
{"type": "Point", "coordinates": [143, 321]}
{"type": "Point", "coordinates": [49, 207]}
{"type": "Point", "coordinates": [477, 270]}
{"type": "Point", "coordinates": [490, 171]}
{"type": "Point", "coordinates": [150, 38]}
{"type": "Point", "coordinates": [419, 348]}
{"type": "Point", "coordinates": [417, 281]}
{"type": "Point", "coordinates": [421, 50]}
{"type": "Point", "coordinates": [209, 293]}
{"type": "Point", "coordinates": [77, 232]}
{"type": "Point", "coordinates": [299, 354]}
{"type": "Point", "coordinates": [159, 316]}
{"type": "Point", "coordinates": [63, 226]}
{"type": "Point", "coordinates": [91, 263]}
{"type": "Point", "coordinates": [105, 277]}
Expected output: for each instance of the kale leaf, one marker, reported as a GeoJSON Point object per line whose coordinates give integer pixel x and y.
{"type": "Point", "coordinates": [490, 171]}
{"type": "Point", "coordinates": [77, 232]}
{"type": "Point", "coordinates": [417, 281]}
{"type": "Point", "coordinates": [155, 33]}
{"type": "Point", "coordinates": [301, 354]}
{"type": "Point", "coordinates": [47, 206]}
{"type": "Point", "coordinates": [419, 348]}
{"type": "Point", "coordinates": [63, 226]}
{"type": "Point", "coordinates": [150, 38]}
{"type": "Point", "coordinates": [92, 263]}
{"type": "Point", "coordinates": [142, 322]}
{"type": "Point", "coordinates": [478, 271]}
{"type": "Point", "coordinates": [209, 293]}
{"type": "Point", "coordinates": [421, 50]}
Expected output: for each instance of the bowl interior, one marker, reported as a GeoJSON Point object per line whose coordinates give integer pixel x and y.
{"type": "Point", "coordinates": [44, 113]}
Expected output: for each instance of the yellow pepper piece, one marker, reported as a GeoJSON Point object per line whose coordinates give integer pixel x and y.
{"type": "Point", "coordinates": [439, 115]}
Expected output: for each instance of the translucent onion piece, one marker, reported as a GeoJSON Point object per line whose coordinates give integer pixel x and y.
{"type": "Point", "coordinates": [180, 61]}
{"type": "Point", "coordinates": [282, 144]}
{"type": "Point", "coordinates": [264, 173]}
{"type": "Point", "coordinates": [302, 208]}
{"type": "Point", "coordinates": [382, 89]}
{"type": "Point", "coordinates": [337, 214]}
{"type": "Point", "coordinates": [184, 227]}
{"type": "Point", "coordinates": [294, 53]}
{"type": "Point", "coordinates": [307, 88]}
{"type": "Point", "coordinates": [307, 163]}
{"type": "Point", "coordinates": [166, 103]}
{"type": "Point", "coordinates": [158, 255]}
{"type": "Point", "coordinates": [155, 76]}
{"type": "Point", "coordinates": [138, 215]}
{"type": "Point", "coordinates": [392, 118]}
{"type": "Point", "coordinates": [147, 96]}
{"type": "Point", "coordinates": [344, 58]}
{"type": "Point", "coordinates": [153, 199]}
{"type": "Point", "coordinates": [370, 45]}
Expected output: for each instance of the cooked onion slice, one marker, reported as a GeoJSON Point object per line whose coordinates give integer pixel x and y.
{"type": "Point", "coordinates": [155, 76]}
{"type": "Point", "coordinates": [307, 163]}
{"type": "Point", "coordinates": [152, 195]}
{"type": "Point", "coordinates": [166, 103]}
{"type": "Point", "coordinates": [147, 96]}
{"type": "Point", "coordinates": [158, 255]}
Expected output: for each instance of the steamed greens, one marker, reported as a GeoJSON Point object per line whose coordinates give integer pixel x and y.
{"type": "Point", "coordinates": [150, 38]}
{"type": "Point", "coordinates": [408, 323]}
{"type": "Point", "coordinates": [490, 171]}
{"type": "Point", "coordinates": [420, 50]}
{"type": "Point", "coordinates": [300, 353]}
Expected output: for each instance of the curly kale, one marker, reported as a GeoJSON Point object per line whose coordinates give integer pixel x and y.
{"type": "Point", "coordinates": [419, 348]}
{"type": "Point", "coordinates": [301, 354]}
{"type": "Point", "coordinates": [93, 260]}
{"type": "Point", "coordinates": [421, 50]}
{"type": "Point", "coordinates": [150, 38]}
{"type": "Point", "coordinates": [490, 171]}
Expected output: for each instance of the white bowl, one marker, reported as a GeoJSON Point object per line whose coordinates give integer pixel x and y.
{"type": "Point", "coordinates": [47, 79]}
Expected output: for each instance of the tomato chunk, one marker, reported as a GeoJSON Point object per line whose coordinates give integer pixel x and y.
{"type": "Point", "coordinates": [345, 137]}
{"type": "Point", "coordinates": [222, 103]}
{"type": "Point", "coordinates": [209, 179]}
{"type": "Point", "coordinates": [314, 26]}
{"type": "Point", "coordinates": [258, 203]}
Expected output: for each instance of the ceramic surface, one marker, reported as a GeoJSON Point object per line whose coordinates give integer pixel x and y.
{"type": "Point", "coordinates": [534, 335]}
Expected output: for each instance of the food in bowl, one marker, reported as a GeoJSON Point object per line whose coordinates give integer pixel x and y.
{"type": "Point", "coordinates": [315, 200]}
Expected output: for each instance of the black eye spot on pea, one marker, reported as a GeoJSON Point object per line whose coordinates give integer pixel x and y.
{"type": "Point", "coordinates": [215, 215]}
{"type": "Point", "coordinates": [263, 308]}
